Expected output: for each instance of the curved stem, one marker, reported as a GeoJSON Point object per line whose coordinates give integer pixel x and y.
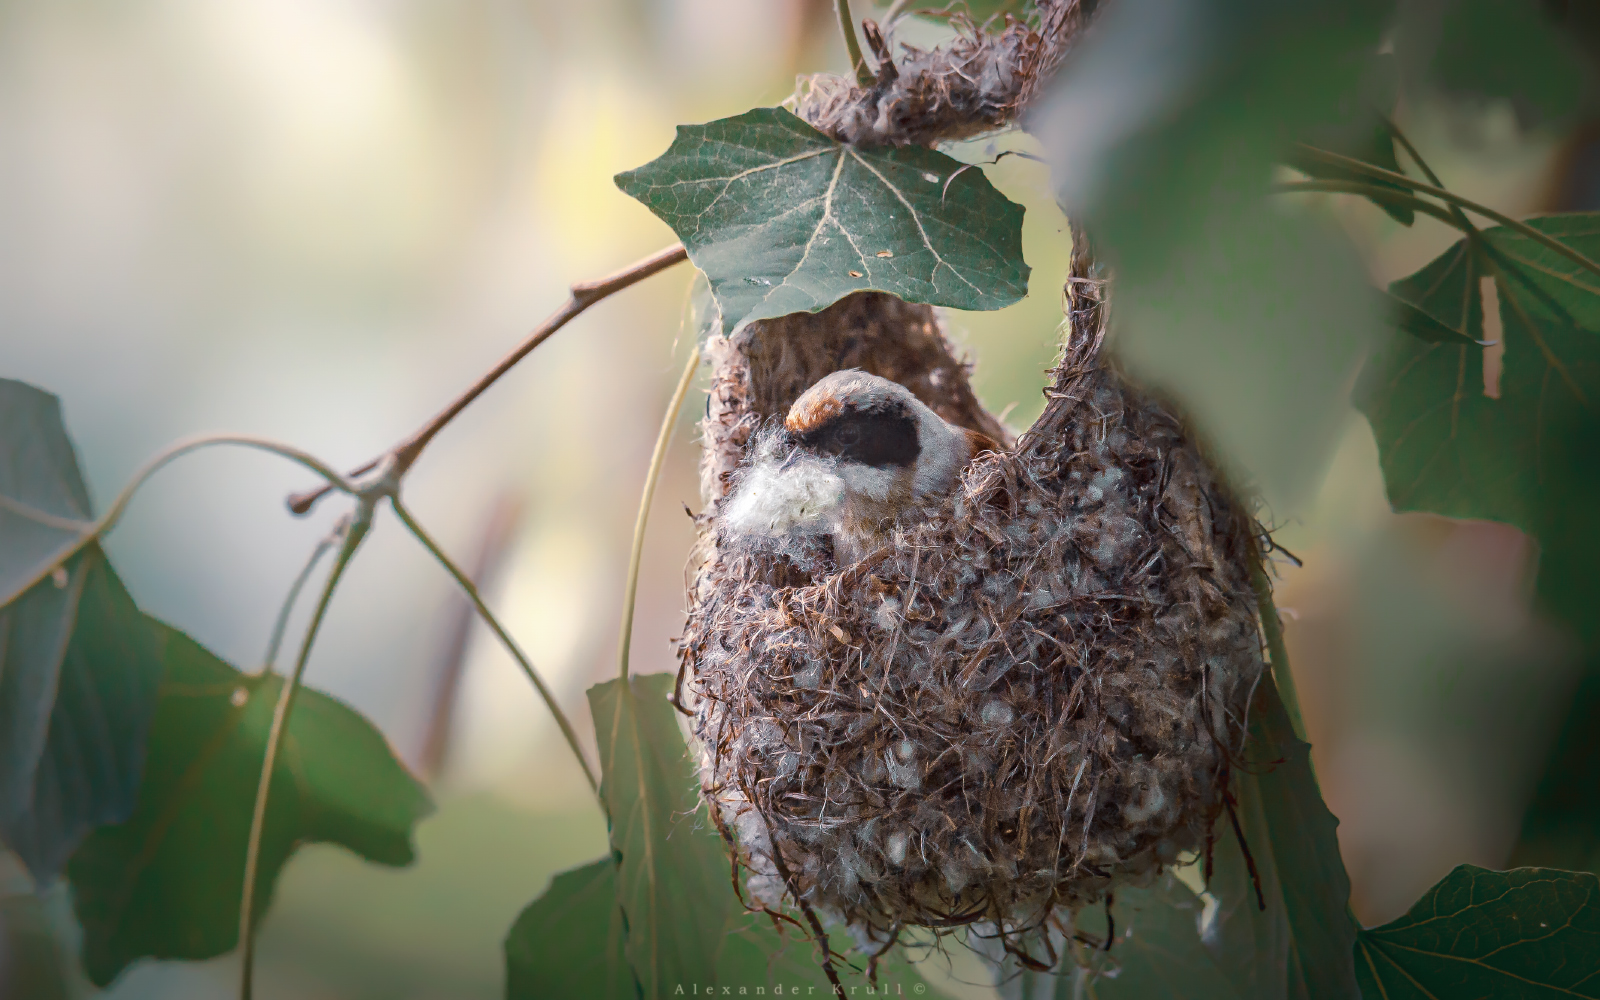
{"type": "Point", "coordinates": [1272, 627]}
{"type": "Point", "coordinates": [580, 297]}
{"type": "Point", "coordinates": [657, 459]}
{"type": "Point", "coordinates": [1367, 169]}
{"type": "Point", "coordinates": [280, 625]}
{"type": "Point", "coordinates": [471, 590]}
{"type": "Point", "coordinates": [852, 47]}
{"type": "Point", "coordinates": [1389, 195]}
{"type": "Point", "coordinates": [114, 513]}
{"type": "Point", "coordinates": [275, 735]}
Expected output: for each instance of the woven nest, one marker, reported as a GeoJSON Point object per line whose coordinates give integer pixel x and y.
{"type": "Point", "coordinates": [1030, 697]}
{"type": "Point", "coordinates": [980, 81]}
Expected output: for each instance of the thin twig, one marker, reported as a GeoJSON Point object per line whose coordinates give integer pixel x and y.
{"type": "Point", "coordinates": [1389, 196]}
{"type": "Point", "coordinates": [581, 297]}
{"type": "Point", "coordinates": [114, 513]}
{"type": "Point", "coordinates": [1272, 626]}
{"type": "Point", "coordinates": [657, 459]}
{"type": "Point", "coordinates": [275, 736]}
{"type": "Point", "coordinates": [500, 633]}
{"type": "Point", "coordinates": [852, 47]}
{"type": "Point", "coordinates": [293, 597]}
{"type": "Point", "coordinates": [1549, 242]}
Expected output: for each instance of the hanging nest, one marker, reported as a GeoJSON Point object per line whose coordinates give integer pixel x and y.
{"type": "Point", "coordinates": [1030, 697]}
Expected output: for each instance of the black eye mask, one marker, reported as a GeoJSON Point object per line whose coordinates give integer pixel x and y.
{"type": "Point", "coordinates": [874, 438]}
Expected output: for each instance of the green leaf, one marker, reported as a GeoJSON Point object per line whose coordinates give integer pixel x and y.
{"type": "Point", "coordinates": [1526, 457]}
{"type": "Point", "coordinates": [1314, 886]}
{"type": "Point", "coordinates": [78, 670]}
{"type": "Point", "coordinates": [167, 883]}
{"type": "Point", "coordinates": [783, 219]}
{"type": "Point", "coordinates": [1370, 142]}
{"type": "Point", "coordinates": [569, 941]}
{"type": "Point", "coordinates": [672, 880]}
{"type": "Point", "coordinates": [1527, 933]}
{"type": "Point", "coordinates": [1157, 951]}
{"type": "Point", "coordinates": [1423, 325]}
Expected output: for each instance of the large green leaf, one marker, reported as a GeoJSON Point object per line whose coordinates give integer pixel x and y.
{"type": "Point", "coordinates": [1526, 933]}
{"type": "Point", "coordinates": [783, 219]}
{"type": "Point", "coordinates": [1446, 446]}
{"type": "Point", "coordinates": [1305, 851]}
{"type": "Point", "coordinates": [78, 670]}
{"type": "Point", "coordinates": [569, 941]}
{"type": "Point", "coordinates": [1526, 457]}
{"type": "Point", "coordinates": [167, 883]}
{"type": "Point", "coordinates": [672, 880]}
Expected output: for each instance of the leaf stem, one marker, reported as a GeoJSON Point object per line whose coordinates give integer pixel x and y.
{"type": "Point", "coordinates": [1549, 242]}
{"type": "Point", "coordinates": [1272, 627]}
{"type": "Point", "coordinates": [1389, 196]}
{"type": "Point", "coordinates": [471, 590]}
{"type": "Point", "coordinates": [852, 47]}
{"type": "Point", "coordinates": [353, 536]}
{"type": "Point", "coordinates": [281, 625]}
{"type": "Point", "coordinates": [657, 459]}
{"type": "Point", "coordinates": [581, 296]}
{"type": "Point", "coordinates": [1461, 219]}
{"type": "Point", "coordinates": [114, 513]}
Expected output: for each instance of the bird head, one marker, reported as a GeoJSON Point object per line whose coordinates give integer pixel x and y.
{"type": "Point", "coordinates": [854, 453]}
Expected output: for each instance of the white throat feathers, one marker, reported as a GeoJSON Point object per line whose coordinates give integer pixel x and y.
{"type": "Point", "coordinates": [855, 453]}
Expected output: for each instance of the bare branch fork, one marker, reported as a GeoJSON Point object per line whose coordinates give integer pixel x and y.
{"type": "Point", "coordinates": [582, 296]}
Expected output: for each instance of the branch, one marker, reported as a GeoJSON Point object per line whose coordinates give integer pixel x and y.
{"type": "Point", "coordinates": [501, 634]}
{"type": "Point", "coordinates": [657, 459]}
{"type": "Point", "coordinates": [95, 530]}
{"type": "Point", "coordinates": [1387, 195]}
{"type": "Point", "coordinates": [1367, 169]}
{"type": "Point", "coordinates": [293, 597]}
{"type": "Point", "coordinates": [582, 296]}
{"type": "Point", "coordinates": [280, 724]}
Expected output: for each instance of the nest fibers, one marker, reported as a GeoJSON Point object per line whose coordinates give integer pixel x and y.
{"type": "Point", "coordinates": [1030, 697]}
{"type": "Point", "coordinates": [981, 81]}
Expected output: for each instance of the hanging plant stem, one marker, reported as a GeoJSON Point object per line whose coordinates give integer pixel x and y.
{"type": "Point", "coordinates": [852, 46]}
{"type": "Point", "coordinates": [657, 459]}
{"type": "Point", "coordinates": [489, 619]}
{"type": "Point", "coordinates": [280, 724]}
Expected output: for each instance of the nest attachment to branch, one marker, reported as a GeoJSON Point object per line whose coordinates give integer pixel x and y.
{"type": "Point", "coordinates": [1030, 697]}
{"type": "Point", "coordinates": [980, 82]}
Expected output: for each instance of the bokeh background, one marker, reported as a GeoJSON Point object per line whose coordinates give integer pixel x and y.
{"type": "Point", "coordinates": [316, 220]}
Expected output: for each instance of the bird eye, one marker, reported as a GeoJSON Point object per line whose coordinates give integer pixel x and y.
{"type": "Point", "coordinates": [847, 434]}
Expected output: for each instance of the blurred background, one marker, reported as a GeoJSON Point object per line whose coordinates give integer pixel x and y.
{"type": "Point", "coordinates": [316, 220]}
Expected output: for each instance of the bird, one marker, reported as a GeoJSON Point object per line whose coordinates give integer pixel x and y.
{"type": "Point", "coordinates": [855, 454]}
